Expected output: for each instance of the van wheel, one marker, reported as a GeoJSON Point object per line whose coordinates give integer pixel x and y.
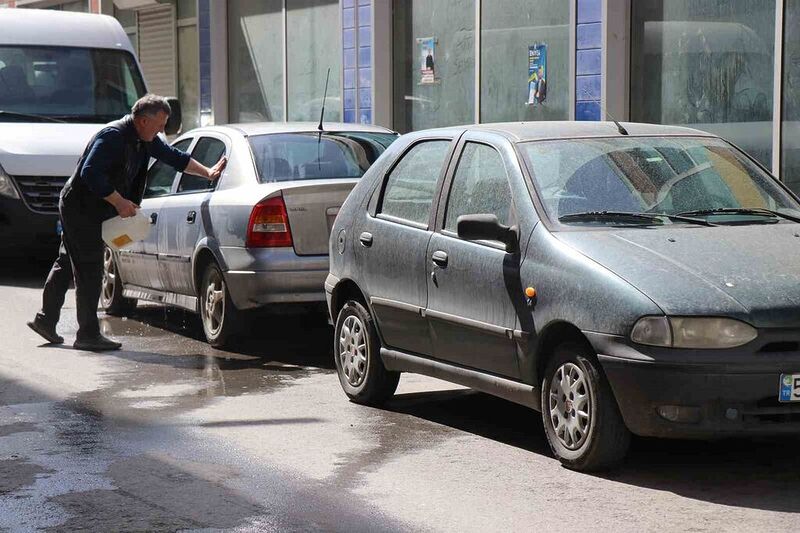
{"type": "Point", "coordinates": [221, 319]}
{"type": "Point", "coordinates": [356, 348]}
{"type": "Point", "coordinates": [111, 298]}
{"type": "Point", "coordinates": [581, 418]}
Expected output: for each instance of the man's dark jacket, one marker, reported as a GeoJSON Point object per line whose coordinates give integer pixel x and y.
{"type": "Point", "coordinates": [115, 160]}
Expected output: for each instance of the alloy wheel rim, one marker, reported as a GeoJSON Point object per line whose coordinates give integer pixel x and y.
{"type": "Point", "coordinates": [570, 406]}
{"type": "Point", "coordinates": [214, 305]}
{"type": "Point", "coordinates": [109, 277]}
{"type": "Point", "coordinates": [353, 351]}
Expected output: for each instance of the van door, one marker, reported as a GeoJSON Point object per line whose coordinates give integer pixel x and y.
{"type": "Point", "coordinates": [185, 218]}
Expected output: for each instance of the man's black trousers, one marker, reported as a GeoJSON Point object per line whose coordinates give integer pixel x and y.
{"type": "Point", "coordinates": [80, 255]}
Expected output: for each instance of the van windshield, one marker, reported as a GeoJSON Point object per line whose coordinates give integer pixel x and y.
{"type": "Point", "coordinates": [69, 84]}
{"type": "Point", "coordinates": [312, 155]}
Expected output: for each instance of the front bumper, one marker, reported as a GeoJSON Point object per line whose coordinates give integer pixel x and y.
{"type": "Point", "coordinates": [686, 394]}
{"type": "Point", "coordinates": [261, 277]}
{"type": "Point", "coordinates": [26, 232]}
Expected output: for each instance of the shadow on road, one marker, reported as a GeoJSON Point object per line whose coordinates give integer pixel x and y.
{"type": "Point", "coordinates": [751, 473]}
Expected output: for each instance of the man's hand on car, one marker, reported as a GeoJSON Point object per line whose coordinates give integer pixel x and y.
{"type": "Point", "coordinates": [215, 171]}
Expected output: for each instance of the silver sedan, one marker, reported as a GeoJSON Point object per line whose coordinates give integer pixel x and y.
{"type": "Point", "coordinates": [258, 237]}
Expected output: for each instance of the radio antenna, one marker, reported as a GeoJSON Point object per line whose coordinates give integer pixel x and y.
{"type": "Point", "coordinates": [324, 97]}
{"type": "Point", "coordinates": [621, 130]}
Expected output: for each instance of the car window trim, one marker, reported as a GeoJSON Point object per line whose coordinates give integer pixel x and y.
{"type": "Point", "coordinates": [402, 221]}
{"type": "Point", "coordinates": [200, 135]}
{"type": "Point", "coordinates": [439, 181]}
{"type": "Point", "coordinates": [154, 161]}
{"type": "Point", "coordinates": [448, 185]}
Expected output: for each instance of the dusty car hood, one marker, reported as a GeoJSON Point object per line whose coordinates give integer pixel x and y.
{"type": "Point", "coordinates": [47, 149]}
{"type": "Point", "coordinates": [749, 272]}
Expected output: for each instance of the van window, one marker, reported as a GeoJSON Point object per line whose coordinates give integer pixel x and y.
{"type": "Point", "coordinates": [70, 84]}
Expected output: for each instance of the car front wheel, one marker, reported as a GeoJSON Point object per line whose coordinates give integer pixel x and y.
{"type": "Point", "coordinates": [111, 298]}
{"type": "Point", "coordinates": [356, 348]}
{"type": "Point", "coordinates": [580, 414]}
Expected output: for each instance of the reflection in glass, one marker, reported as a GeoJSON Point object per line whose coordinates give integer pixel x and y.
{"type": "Point", "coordinates": [649, 175]}
{"type": "Point", "coordinates": [436, 89]}
{"type": "Point", "coordinates": [255, 42]}
{"type": "Point", "coordinates": [790, 165]}
{"type": "Point", "coordinates": [508, 28]}
{"type": "Point", "coordinates": [314, 36]}
{"type": "Point", "coordinates": [706, 64]}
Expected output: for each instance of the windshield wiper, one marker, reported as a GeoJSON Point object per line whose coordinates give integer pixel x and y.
{"type": "Point", "coordinates": [630, 216]}
{"type": "Point", "coordinates": [762, 211]}
{"type": "Point", "coordinates": [30, 115]}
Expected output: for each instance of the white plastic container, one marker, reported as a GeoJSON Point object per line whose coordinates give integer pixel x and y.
{"type": "Point", "coordinates": [119, 233]}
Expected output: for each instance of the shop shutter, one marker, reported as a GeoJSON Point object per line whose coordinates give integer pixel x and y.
{"type": "Point", "coordinates": [157, 49]}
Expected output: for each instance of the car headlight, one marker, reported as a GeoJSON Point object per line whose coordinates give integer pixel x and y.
{"type": "Point", "coordinates": [692, 332]}
{"type": "Point", "coordinates": [6, 187]}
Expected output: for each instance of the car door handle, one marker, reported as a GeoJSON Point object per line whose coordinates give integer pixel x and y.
{"type": "Point", "coordinates": [190, 217]}
{"type": "Point", "coordinates": [439, 259]}
{"type": "Point", "coordinates": [366, 239]}
{"type": "Point", "coordinates": [153, 218]}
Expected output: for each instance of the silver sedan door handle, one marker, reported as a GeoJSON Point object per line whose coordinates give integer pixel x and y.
{"type": "Point", "coordinates": [366, 239]}
{"type": "Point", "coordinates": [191, 216]}
{"type": "Point", "coordinates": [439, 259]}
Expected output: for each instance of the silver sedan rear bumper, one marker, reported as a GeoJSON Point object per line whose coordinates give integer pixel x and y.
{"type": "Point", "coordinates": [259, 277]}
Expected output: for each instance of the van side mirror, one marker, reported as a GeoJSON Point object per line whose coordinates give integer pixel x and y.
{"type": "Point", "coordinates": [175, 117]}
{"type": "Point", "coordinates": [485, 227]}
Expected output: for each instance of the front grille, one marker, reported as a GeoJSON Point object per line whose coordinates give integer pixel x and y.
{"type": "Point", "coordinates": [771, 411]}
{"type": "Point", "coordinates": [40, 193]}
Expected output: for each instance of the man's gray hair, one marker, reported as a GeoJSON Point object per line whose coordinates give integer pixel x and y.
{"type": "Point", "coordinates": [150, 105]}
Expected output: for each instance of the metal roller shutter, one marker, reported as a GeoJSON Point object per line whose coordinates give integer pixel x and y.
{"type": "Point", "coordinates": [157, 49]}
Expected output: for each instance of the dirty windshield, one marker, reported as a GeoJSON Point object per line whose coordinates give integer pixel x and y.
{"type": "Point", "coordinates": [654, 181]}
{"type": "Point", "coordinates": [315, 155]}
{"type": "Point", "coordinates": [44, 83]}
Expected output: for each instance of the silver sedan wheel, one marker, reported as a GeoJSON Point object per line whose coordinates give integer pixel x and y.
{"type": "Point", "coordinates": [214, 304]}
{"type": "Point", "coordinates": [353, 351]}
{"type": "Point", "coordinates": [109, 278]}
{"type": "Point", "coordinates": [570, 409]}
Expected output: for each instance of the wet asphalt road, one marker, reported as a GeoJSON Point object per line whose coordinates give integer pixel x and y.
{"type": "Point", "coordinates": [169, 434]}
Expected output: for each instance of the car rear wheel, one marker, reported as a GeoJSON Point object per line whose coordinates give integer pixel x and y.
{"type": "Point", "coordinates": [111, 298]}
{"type": "Point", "coordinates": [221, 319]}
{"type": "Point", "coordinates": [356, 348]}
{"type": "Point", "coordinates": [580, 414]}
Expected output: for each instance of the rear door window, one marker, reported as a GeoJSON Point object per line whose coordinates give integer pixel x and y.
{"type": "Point", "coordinates": [207, 151]}
{"type": "Point", "coordinates": [161, 176]}
{"type": "Point", "coordinates": [316, 155]}
{"type": "Point", "coordinates": [411, 185]}
{"type": "Point", "coordinates": [480, 186]}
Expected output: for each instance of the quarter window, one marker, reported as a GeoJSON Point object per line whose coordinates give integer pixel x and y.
{"type": "Point", "coordinates": [161, 175]}
{"type": "Point", "coordinates": [207, 151]}
{"type": "Point", "coordinates": [480, 186]}
{"type": "Point", "coordinates": [412, 183]}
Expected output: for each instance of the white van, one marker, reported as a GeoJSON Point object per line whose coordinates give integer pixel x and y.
{"type": "Point", "coordinates": [62, 77]}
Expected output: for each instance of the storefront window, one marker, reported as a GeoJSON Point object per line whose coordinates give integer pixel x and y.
{"type": "Point", "coordinates": [313, 32]}
{"type": "Point", "coordinates": [790, 165]}
{"type": "Point", "coordinates": [517, 37]}
{"type": "Point", "coordinates": [434, 63]}
{"type": "Point", "coordinates": [706, 64]}
{"type": "Point", "coordinates": [255, 42]}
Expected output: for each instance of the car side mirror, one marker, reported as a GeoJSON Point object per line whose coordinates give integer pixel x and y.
{"type": "Point", "coordinates": [485, 227]}
{"type": "Point", "coordinates": [174, 121]}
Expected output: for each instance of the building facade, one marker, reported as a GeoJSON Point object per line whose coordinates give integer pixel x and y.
{"type": "Point", "coordinates": [731, 67]}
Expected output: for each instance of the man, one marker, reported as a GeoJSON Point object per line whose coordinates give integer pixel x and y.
{"type": "Point", "coordinates": [541, 87]}
{"type": "Point", "coordinates": [109, 180]}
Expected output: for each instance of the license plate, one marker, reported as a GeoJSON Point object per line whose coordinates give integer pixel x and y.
{"type": "Point", "coordinates": [790, 388]}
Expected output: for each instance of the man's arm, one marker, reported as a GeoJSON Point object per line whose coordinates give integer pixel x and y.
{"type": "Point", "coordinates": [107, 147]}
{"type": "Point", "coordinates": [183, 162]}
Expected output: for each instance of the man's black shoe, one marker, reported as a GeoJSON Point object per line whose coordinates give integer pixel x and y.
{"type": "Point", "coordinates": [97, 344]}
{"type": "Point", "coordinates": [47, 331]}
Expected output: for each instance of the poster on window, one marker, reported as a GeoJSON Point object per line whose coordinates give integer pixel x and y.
{"type": "Point", "coordinates": [427, 69]}
{"type": "Point", "coordinates": [537, 74]}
